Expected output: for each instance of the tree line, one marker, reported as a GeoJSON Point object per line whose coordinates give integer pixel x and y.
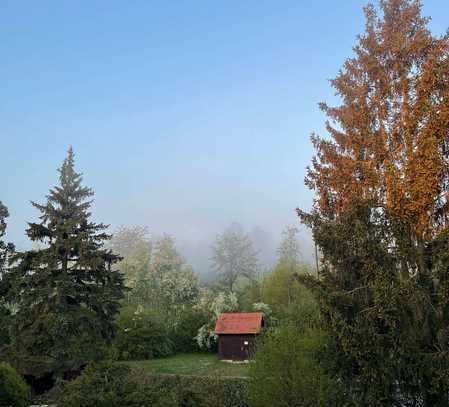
{"type": "Point", "coordinates": [82, 295]}
{"type": "Point", "coordinates": [371, 327]}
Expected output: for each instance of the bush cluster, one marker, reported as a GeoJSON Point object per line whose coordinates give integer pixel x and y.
{"type": "Point", "coordinates": [13, 390]}
{"type": "Point", "coordinates": [183, 333]}
{"type": "Point", "coordinates": [287, 373]}
{"type": "Point", "coordinates": [146, 333]}
{"type": "Point", "coordinates": [142, 335]}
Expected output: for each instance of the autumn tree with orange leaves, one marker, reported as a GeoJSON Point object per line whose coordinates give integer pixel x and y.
{"type": "Point", "coordinates": [389, 137]}
{"type": "Point", "coordinates": [381, 212]}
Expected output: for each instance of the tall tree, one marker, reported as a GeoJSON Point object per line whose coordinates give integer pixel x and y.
{"type": "Point", "coordinates": [166, 282]}
{"type": "Point", "coordinates": [381, 212]}
{"type": "Point", "coordinates": [389, 137]}
{"type": "Point", "coordinates": [67, 292]}
{"type": "Point", "coordinates": [166, 255]}
{"type": "Point", "coordinates": [132, 243]}
{"type": "Point", "coordinates": [176, 281]}
{"type": "Point", "coordinates": [127, 241]}
{"type": "Point", "coordinates": [289, 248]}
{"type": "Point", "coordinates": [234, 256]}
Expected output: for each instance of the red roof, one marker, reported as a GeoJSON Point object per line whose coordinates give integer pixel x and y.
{"type": "Point", "coordinates": [239, 323]}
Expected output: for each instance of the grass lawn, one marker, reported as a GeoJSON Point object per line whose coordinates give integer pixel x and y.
{"type": "Point", "coordinates": [193, 364]}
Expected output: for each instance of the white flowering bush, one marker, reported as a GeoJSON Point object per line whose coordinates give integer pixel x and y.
{"type": "Point", "coordinates": [223, 302]}
{"type": "Point", "coordinates": [267, 312]}
{"type": "Point", "coordinates": [162, 300]}
{"type": "Point", "coordinates": [206, 337]}
{"type": "Point", "coordinates": [265, 309]}
{"type": "Point", "coordinates": [179, 287]}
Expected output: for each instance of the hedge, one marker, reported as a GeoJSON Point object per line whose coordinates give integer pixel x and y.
{"type": "Point", "coordinates": [204, 391]}
{"type": "Point", "coordinates": [107, 384]}
{"type": "Point", "coordinates": [114, 385]}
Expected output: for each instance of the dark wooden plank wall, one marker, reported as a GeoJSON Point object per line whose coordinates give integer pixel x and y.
{"type": "Point", "coordinates": [232, 346]}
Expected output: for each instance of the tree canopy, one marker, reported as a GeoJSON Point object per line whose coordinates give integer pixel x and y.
{"type": "Point", "coordinates": [135, 248]}
{"type": "Point", "coordinates": [289, 249]}
{"type": "Point", "coordinates": [234, 256]}
{"type": "Point", "coordinates": [389, 136]}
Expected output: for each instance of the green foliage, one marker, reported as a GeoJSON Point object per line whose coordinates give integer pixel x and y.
{"type": "Point", "coordinates": [286, 372]}
{"type": "Point", "coordinates": [249, 292]}
{"type": "Point", "coordinates": [186, 328]}
{"type": "Point", "coordinates": [287, 297]}
{"type": "Point", "coordinates": [389, 329]}
{"type": "Point", "coordinates": [5, 323]}
{"type": "Point", "coordinates": [133, 245]}
{"type": "Point", "coordinates": [13, 390]}
{"type": "Point", "coordinates": [146, 333]}
{"type": "Point", "coordinates": [159, 277]}
{"type": "Point", "coordinates": [66, 291]}
{"type": "Point", "coordinates": [381, 212]}
{"type": "Point", "coordinates": [203, 391]}
{"type": "Point", "coordinates": [142, 334]}
{"type": "Point", "coordinates": [213, 304]}
{"type": "Point", "coordinates": [114, 385]}
{"type": "Point", "coordinates": [111, 385]}
{"type": "Point", "coordinates": [159, 317]}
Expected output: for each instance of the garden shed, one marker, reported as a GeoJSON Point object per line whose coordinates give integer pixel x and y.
{"type": "Point", "coordinates": [237, 334]}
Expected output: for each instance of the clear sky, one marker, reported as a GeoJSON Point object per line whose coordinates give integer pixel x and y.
{"type": "Point", "coordinates": [184, 115]}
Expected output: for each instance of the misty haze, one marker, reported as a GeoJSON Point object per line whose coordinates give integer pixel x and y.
{"type": "Point", "coordinates": [224, 204]}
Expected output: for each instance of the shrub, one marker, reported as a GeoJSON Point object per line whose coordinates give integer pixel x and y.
{"type": "Point", "coordinates": [13, 390]}
{"type": "Point", "coordinates": [111, 385]}
{"type": "Point", "coordinates": [202, 391]}
{"type": "Point", "coordinates": [304, 312]}
{"type": "Point", "coordinates": [186, 328]}
{"type": "Point", "coordinates": [142, 334]}
{"type": "Point", "coordinates": [285, 371]}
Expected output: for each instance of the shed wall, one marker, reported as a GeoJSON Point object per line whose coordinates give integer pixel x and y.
{"type": "Point", "coordinates": [232, 346]}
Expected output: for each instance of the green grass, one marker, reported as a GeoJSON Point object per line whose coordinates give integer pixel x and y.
{"type": "Point", "coordinates": [192, 364]}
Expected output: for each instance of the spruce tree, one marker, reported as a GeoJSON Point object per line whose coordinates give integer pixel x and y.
{"type": "Point", "coordinates": [66, 291]}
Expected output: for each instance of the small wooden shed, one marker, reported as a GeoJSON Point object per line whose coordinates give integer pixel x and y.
{"type": "Point", "coordinates": [237, 334]}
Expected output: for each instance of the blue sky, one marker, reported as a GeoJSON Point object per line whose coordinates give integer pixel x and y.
{"type": "Point", "coordinates": [185, 116]}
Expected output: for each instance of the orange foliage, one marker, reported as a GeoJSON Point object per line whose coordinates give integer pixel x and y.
{"type": "Point", "coordinates": [390, 135]}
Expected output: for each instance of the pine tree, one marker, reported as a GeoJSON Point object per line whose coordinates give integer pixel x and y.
{"type": "Point", "coordinates": [67, 292]}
